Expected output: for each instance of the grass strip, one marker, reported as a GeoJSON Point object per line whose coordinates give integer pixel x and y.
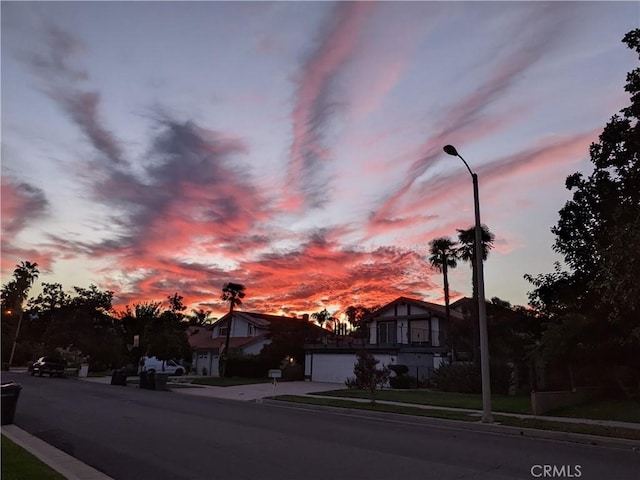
{"type": "Point", "coordinates": [18, 464]}
{"type": "Point", "coordinates": [581, 428]}
{"type": "Point", "coordinates": [379, 407]}
{"type": "Point", "coordinates": [502, 403]}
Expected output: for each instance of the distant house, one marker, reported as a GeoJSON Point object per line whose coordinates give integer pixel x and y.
{"type": "Point", "coordinates": [405, 331]}
{"type": "Point", "coordinates": [249, 333]}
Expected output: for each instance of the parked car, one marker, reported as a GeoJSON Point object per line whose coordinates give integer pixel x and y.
{"type": "Point", "coordinates": [51, 365]}
{"type": "Point", "coordinates": [154, 364]}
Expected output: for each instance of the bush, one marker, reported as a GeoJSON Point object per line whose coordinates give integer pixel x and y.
{"type": "Point", "coordinates": [292, 373]}
{"type": "Point", "coordinates": [457, 377]}
{"type": "Point", "coordinates": [247, 366]}
{"type": "Point", "coordinates": [403, 381]}
{"type": "Point", "coordinates": [466, 378]}
{"type": "Point", "coordinates": [399, 369]}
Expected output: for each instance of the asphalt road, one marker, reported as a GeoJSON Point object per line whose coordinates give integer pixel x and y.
{"type": "Point", "coordinates": [129, 433]}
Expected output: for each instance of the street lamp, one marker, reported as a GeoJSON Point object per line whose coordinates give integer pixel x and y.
{"type": "Point", "coordinates": [482, 310]}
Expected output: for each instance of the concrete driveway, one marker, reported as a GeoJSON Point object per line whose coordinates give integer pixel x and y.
{"type": "Point", "coordinates": [260, 390]}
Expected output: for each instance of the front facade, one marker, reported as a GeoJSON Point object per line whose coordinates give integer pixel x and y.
{"type": "Point", "coordinates": [405, 331]}
{"type": "Point", "coordinates": [249, 333]}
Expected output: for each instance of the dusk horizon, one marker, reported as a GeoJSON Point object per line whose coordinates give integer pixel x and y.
{"type": "Point", "coordinates": [296, 148]}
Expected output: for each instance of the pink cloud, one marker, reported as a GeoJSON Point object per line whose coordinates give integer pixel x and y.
{"type": "Point", "coordinates": [312, 106]}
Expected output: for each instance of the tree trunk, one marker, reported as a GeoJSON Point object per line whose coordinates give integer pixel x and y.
{"type": "Point", "coordinates": [447, 309]}
{"type": "Point", "coordinates": [226, 344]}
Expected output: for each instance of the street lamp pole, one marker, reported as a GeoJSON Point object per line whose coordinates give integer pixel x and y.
{"type": "Point", "coordinates": [482, 309]}
{"type": "Point", "coordinates": [15, 339]}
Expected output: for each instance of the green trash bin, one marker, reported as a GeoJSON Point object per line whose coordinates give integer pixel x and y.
{"type": "Point", "coordinates": [10, 394]}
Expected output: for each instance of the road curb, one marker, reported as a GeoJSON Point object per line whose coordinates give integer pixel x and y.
{"type": "Point", "coordinates": [63, 463]}
{"type": "Point", "coordinates": [494, 428]}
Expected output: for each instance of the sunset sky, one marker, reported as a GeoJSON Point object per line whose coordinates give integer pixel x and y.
{"type": "Point", "coordinates": [296, 147]}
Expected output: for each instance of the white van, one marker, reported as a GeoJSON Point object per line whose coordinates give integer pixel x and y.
{"type": "Point", "coordinates": [147, 364]}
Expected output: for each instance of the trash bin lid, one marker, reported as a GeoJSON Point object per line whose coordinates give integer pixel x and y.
{"type": "Point", "coordinates": [10, 387]}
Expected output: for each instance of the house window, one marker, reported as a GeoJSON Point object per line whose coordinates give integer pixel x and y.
{"type": "Point", "coordinates": [386, 332]}
{"type": "Point", "coordinates": [252, 330]}
{"type": "Point", "coordinates": [222, 331]}
{"type": "Point", "coordinates": [420, 331]}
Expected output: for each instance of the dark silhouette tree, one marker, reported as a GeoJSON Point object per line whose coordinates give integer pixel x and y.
{"type": "Point", "coordinates": [200, 317]}
{"type": "Point", "coordinates": [598, 233]}
{"type": "Point", "coordinates": [357, 315]}
{"type": "Point", "coordinates": [322, 317]}
{"type": "Point", "coordinates": [13, 295]}
{"type": "Point", "coordinates": [467, 253]}
{"type": "Point", "coordinates": [232, 293]}
{"type": "Point", "coordinates": [443, 255]}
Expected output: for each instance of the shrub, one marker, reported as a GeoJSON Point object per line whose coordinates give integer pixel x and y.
{"type": "Point", "coordinates": [466, 378]}
{"type": "Point", "coordinates": [367, 374]}
{"type": "Point", "coordinates": [403, 381]}
{"type": "Point", "coordinates": [399, 369]}
{"type": "Point", "coordinates": [247, 366]}
{"type": "Point", "coordinates": [457, 377]}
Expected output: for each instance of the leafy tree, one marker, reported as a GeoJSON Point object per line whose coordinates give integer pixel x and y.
{"type": "Point", "coordinates": [322, 317]}
{"type": "Point", "coordinates": [232, 293]}
{"type": "Point", "coordinates": [598, 233]}
{"type": "Point", "coordinates": [443, 255]}
{"type": "Point", "coordinates": [367, 374]}
{"type": "Point", "coordinates": [357, 315]}
{"type": "Point", "coordinates": [288, 338]}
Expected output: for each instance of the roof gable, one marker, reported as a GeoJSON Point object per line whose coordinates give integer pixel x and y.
{"type": "Point", "coordinates": [421, 308]}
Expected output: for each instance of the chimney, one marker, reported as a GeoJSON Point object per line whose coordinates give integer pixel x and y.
{"type": "Point", "coordinates": [305, 317]}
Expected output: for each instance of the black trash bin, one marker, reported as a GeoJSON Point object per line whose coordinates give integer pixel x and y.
{"type": "Point", "coordinates": [143, 380]}
{"type": "Point", "coordinates": [119, 377]}
{"type": "Point", "coordinates": [151, 380]}
{"type": "Point", "coordinates": [10, 394]}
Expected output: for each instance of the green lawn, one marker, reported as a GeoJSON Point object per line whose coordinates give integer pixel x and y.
{"type": "Point", "coordinates": [18, 464]}
{"type": "Point", "coordinates": [228, 382]}
{"type": "Point", "coordinates": [453, 415]}
{"type": "Point", "coordinates": [619, 410]}
{"type": "Point", "coordinates": [499, 403]}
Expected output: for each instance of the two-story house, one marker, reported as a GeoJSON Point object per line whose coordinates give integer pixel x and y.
{"type": "Point", "coordinates": [405, 331]}
{"type": "Point", "coordinates": [249, 333]}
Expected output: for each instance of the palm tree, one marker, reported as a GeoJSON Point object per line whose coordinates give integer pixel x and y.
{"type": "Point", "coordinates": [199, 317]}
{"type": "Point", "coordinates": [232, 293]}
{"type": "Point", "coordinates": [467, 253]}
{"type": "Point", "coordinates": [15, 293]}
{"type": "Point", "coordinates": [444, 256]}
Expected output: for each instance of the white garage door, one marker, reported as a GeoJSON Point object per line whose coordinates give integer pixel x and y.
{"type": "Point", "coordinates": [337, 367]}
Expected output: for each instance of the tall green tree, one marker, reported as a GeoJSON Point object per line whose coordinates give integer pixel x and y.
{"type": "Point", "coordinates": [232, 293]}
{"type": "Point", "coordinates": [442, 256]}
{"type": "Point", "coordinates": [598, 233]}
